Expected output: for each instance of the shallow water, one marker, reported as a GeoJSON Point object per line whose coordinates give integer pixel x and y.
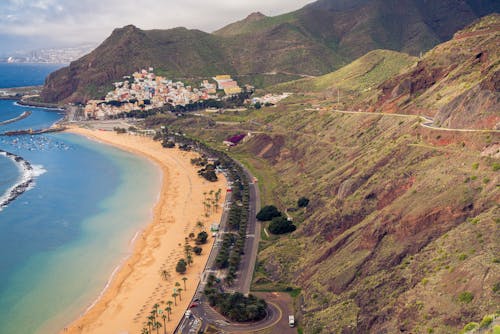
{"type": "Point", "coordinates": [61, 240]}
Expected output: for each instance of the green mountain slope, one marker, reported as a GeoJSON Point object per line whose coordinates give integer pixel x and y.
{"type": "Point", "coordinates": [358, 78]}
{"type": "Point", "coordinates": [355, 27]}
{"type": "Point", "coordinates": [314, 40]}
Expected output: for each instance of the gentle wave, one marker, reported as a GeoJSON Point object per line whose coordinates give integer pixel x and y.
{"type": "Point", "coordinates": [25, 182]}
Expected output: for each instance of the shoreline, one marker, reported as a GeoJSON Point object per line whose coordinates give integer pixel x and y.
{"type": "Point", "coordinates": [138, 273]}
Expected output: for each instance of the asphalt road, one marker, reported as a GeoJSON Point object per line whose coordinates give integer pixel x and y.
{"type": "Point", "coordinates": [203, 315]}
{"type": "Point", "coordinates": [244, 280]}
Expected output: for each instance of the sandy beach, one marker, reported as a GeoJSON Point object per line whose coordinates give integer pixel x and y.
{"type": "Point", "coordinates": [139, 284]}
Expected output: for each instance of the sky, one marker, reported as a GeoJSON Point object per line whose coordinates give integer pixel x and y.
{"type": "Point", "coordinates": [31, 24]}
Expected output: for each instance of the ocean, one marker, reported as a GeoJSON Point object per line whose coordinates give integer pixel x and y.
{"type": "Point", "coordinates": [20, 75]}
{"type": "Point", "coordinates": [61, 240]}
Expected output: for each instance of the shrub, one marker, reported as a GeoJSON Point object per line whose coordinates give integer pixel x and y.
{"type": "Point", "coordinates": [465, 297]}
{"type": "Point", "coordinates": [181, 266]}
{"type": "Point", "coordinates": [470, 326]}
{"type": "Point", "coordinates": [268, 212]}
{"type": "Point", "coordinates": [303, 202]}
{"type": "Point", "coordinates": [201, 238]}
{"type": "Point", "coordinates": [197, 250]}
{"type": "Point", "coordinates": [281, 225]}
{"type": "Point", "coordinates": [168, 144]}
{"type": "Point", "coordinates": [496, 166]}
{"type": "Point", "coordinates": [487, 320]}
{"type": "Point", "coordinates": [209, 173]}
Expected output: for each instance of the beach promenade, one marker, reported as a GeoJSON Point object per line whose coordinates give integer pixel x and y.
{"type": "Point", "coordinates": [139, 284]}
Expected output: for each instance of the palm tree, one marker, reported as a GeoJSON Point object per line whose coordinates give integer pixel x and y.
{"type": "Point", "coordinates": [189, 259]}
{"type": "Point", "coordinates": [169, 311]}
{"type": "Point", "coordinates": [169, 303]}
{"type": "Point", "coordinates": [177, 285]}
{"type": "Point", "coordinates": [165, 274]}
{"type": "Point", "coordinates": [179, 290]}
{"type": "Point", "coordinates": [144, 331]}
{"type": "Point", "coordinates": [184, 279]}
{"type": "Point", "coordinates": [150, 323]}
{"type": "Point", "coordinates": [164, 326]}
{"type": "Point", "coordinates": [200, 225]}
{"type": "Point", "coordinates": [187, 249]}
{"type": "Point", "coordinates": [174, 295]}
{"type": "Point", "coordinates": [157, 326]}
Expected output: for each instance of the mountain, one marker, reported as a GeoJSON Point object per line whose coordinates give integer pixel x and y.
{"type": "Point", "coordinates": [314, 40]}
{"type": "Point", "coordinates": [457, 82]}
{"type": "Point", "coordinates": [401, 231]}
{"type": "Point", "coordinates": [354, 27]}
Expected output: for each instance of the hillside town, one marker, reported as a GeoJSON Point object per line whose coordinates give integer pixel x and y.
{"type": "Point", "coordinates": [145, 90]}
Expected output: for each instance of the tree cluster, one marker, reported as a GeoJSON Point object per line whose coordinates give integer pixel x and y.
{"type": "Point", "coordinates": [202, 237]}
{"type": "Point", "coordinates": [279, 223]}
{"type": "Point", "coordinates": [208, 172]}
{"type": "Point", "coordinates": [181, 266]}
{"type": "Point", "coordinates": [235, 306]}
{"type": "Point", "coordinates": [267, 213]}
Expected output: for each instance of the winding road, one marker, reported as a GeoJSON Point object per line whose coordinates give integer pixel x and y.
{"type": "Point", "coordinates": [427, 122]}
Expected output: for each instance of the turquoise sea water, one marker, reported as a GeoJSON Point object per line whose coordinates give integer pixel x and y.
{"type": "Point", "coordinates": [61, 241]}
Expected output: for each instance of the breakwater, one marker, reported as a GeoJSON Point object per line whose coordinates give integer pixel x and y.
{"type": "Point", "coordinates": [31, 103]}
{"type": "Point", "coordinates": [33, 132]}
{"type": "Point", "coordinates": [24, 182]}
{"type": "Point", "coordinates": [18, 118]}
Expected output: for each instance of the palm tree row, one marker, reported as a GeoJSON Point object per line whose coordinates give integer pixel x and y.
{"type": "Point", "coordinates": [211, 202]}
{"type": "Point", "coordinates": [156, 317]}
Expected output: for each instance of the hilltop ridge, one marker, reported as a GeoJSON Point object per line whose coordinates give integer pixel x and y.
{"type": "Point", "coordinates": [314, 40]}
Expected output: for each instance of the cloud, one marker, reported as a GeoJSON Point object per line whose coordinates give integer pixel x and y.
{"type": "Point", "coordinates": [93, 20]}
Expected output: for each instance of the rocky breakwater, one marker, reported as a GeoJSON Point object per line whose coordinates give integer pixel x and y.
{"type": "Point", "coordinates": [24, 182]}
{"type": "Point", "coordinates": [18, 118]}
